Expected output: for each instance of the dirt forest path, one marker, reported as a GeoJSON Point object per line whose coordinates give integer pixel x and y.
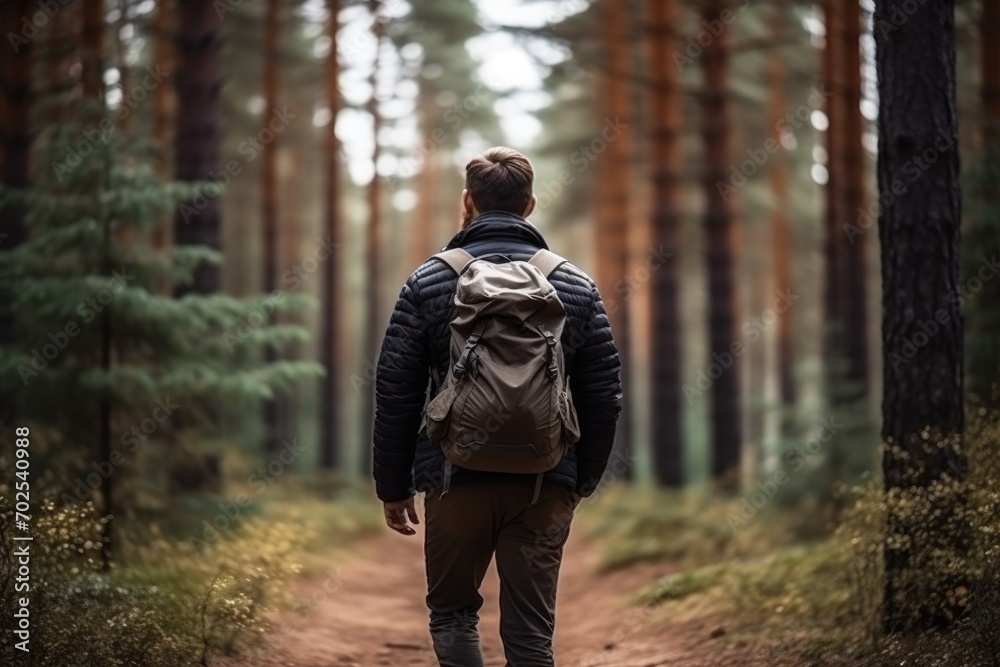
{"type": "Point", "coordinates": [370, 612]}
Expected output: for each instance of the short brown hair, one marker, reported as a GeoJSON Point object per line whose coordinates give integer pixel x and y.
{"type": "Point", "coordinates": [500, 179]}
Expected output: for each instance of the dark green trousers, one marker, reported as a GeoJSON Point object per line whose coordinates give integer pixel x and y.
{"type": "Point", "coordinates": [474, 521]}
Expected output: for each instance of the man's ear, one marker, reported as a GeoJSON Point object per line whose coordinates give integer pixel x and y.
{"type": "Point", "coordinates": [531, 206]}
{"type": "Point", "coordinates": [468, 204]}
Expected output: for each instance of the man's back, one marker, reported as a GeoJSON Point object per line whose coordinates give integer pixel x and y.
{"type": "Point", "coordinates": [489, 514]}
{"type": "Point", "coordinates": [417, 341]}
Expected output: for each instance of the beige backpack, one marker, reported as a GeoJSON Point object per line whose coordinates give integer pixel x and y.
{"type": "Point", "coordinates": [505, 404]}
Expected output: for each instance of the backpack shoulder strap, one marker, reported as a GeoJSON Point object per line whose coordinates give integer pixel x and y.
{"type": "Point", "coordinates": [546, 261]}
{"type": "Point", "coordinates": [456, 258]}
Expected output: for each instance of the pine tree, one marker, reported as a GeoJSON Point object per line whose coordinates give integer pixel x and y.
{"type": "Point", "coordinates": [373, 236]}
{"type": "Point", "coordinates": [275, 412]}
{"type": "Point", "coordinates": [726, 412]}
{"type": "Point", "coordinates": [982, 237]}
{"type": "Point", "coordinates": [93, 48]}
{"type": "Point", "coordinates": [97, 337]}
{"type": "Point", "coordinates": [666, 155]}
{"type": "Point", "coordinates": [446, 76]}
{"type": "Point", "coordinates": [780, 232]}
{"type": "Point", "coordinates": [922, 402]}
{"type": "Point", "coordinates": [16, 106]}
{"type": "Point", "coordinates": [845, 298]}
{"type": "Point", "coordinates": [330, 453]}
{"type": "Point", "coordinates": [198, 82]}
{"type": "Point", "coordinates": [613, 200]}
{"type": "Point", "coordinates": [162, 39]}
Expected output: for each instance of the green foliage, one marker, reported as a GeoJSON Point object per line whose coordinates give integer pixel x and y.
{"type": "Point", "coordinates": [169, 602]}
{"type": "Point", "coordinates": [980, 287]}
{"type": "Point", "coordinates": [88, 279]}
{"type": "Point", "coordinates": [788, 583]}
{"type": "Point", "coordinates": [172, 606]}
{"type": "Point", "coordinates": [688, 528]}
{"type": "Point", "coordinates": [823, 601]}
{"type": "Point", "coordinates": [969, 514]}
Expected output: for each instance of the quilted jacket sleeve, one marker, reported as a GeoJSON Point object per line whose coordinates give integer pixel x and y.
{"type": "Point", "coordinates": [400, 390]}
{"type": "Point", "coordinates": [595, 380]}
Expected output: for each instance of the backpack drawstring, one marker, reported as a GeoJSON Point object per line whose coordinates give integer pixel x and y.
{"type": "Point", "coordinates": [446, 485]}
{"type": "Point", "coordinates": [538, 487]}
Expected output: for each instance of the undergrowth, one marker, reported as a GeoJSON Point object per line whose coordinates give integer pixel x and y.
{"type": "Point", "coordinates": [173, 598]}
{"type": "Point", "coordinates": [821, 600]}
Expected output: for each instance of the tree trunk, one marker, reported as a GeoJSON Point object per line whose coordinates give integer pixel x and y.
{"type": "Point", "coordinates": [845, 298]}
{"type": "Point", "coordinates": [58, 46]}
{"type": "Point", "coordinates": [834, 85]}
{"type": "Point", "coordinates": [755, 381]}
{"type": "Point", "coordinates": [93, 88]}
{"type": "Point", "coordinates": [780, 233]}
{"type": "Point", "coordinates": [124, 121]}
{"type": "Point", "coordinates": [922, 406]}
{"type": "Point", "coordinates": [373, 300]}
{"type": "Point", "coordinates": [196, 154]}
{"type": "Point", "coordinates": [990, 67]}
{"type": "Point", "coordinates": [427, 195]}
{"type": "Point", "coordinates": [126, 235]}
{"type": "Point", "coordinates": [291, 244]}
{"type": "Point", "coordinates": [197, 139]}
{"type": "Point", "coordinates": [667, 159]}
{"type": "Point", "coordinates": [275, 410]}
{"type": "Point", "coordinates": [93, 49]}
{"type": "Point", "coordinates": [161, 106]}
{"type": "Point", "coordinates": [15, 121]}
{"type": "Point", "coordinates": [983, 234]}
{"type": "Point", "coordinates": [853, 311]}
{"type": "Point", "coordinates": [613, 209]}
{"type": "Point", "coordinates": [330, 454]}
{"type": "Point", "coordinates": [16, 102]}
{"type": "Point", "coordinates": [726, 410]}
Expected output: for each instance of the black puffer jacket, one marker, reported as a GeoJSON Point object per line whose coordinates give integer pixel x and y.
{"type": "Point", "coordinates": [418, 338]}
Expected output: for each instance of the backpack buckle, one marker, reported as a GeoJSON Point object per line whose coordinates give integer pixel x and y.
{"type": "Point", "coordinates": [553, 367]}
{"type": "Point", "coordinates": [470, 345]}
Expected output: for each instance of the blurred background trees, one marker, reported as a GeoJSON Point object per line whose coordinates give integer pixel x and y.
{"type": "Point", "coordinates": [274, 169]}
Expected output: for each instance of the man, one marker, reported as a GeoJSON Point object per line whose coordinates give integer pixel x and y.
{"type": "Point", "coordinates": [486, 513]}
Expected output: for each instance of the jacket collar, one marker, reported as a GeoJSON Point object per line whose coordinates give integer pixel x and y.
{"type": "Point", "coordinates": [499, 226]}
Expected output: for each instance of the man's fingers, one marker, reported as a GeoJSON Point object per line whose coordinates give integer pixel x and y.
{"type": "Point", "coordinates": [411, 512]}
{"type": "Point", "coordinates": [395, 518]}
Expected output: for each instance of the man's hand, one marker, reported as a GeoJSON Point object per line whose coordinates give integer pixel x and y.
{"type": "Point", "coordinates": [576, 499]}
{"type": "Point", "coordinates": [396, 514]}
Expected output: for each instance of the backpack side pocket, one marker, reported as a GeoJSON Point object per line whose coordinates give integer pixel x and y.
{"type": "Point", "coordinates": [439, 411]}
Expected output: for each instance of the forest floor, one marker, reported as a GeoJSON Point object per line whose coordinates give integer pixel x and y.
{"type": "Point", "coordinates": [369, 611]}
